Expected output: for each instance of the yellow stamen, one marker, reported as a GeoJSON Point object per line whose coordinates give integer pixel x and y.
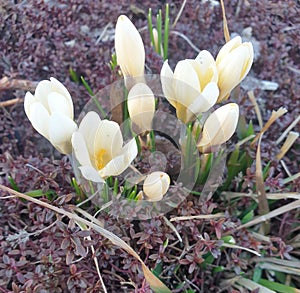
{"type": "Point", "coordinates": [100, 160]}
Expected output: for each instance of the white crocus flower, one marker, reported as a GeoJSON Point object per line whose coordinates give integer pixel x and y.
{"type": "Point", "coordinates": [141, 106]}
{"type": "Point", "coordinates": [233, 63]}
{"type": "Point", "coordinates": [98, 147]}
{"type": "Point", "coordinates": [130, 50]}
{"type": "Point", "coordinates": [156, 185]}
{"type": "Point", "coordinates": [50, 111]}
{"type": "Point", "coordinates": [219, 126]}
{"type": "Point", "coordinates": [192, 88]}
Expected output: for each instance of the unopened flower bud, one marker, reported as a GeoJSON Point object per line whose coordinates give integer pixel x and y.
{"type": "Point", "coordinates": [156, 185]}
{"type": "Point", "coordinates": [129, 48]}
{"type": "Point", "coordinates": [141, 106]}
{"type": "Point", "coordinates": [233, 63]}
{"type": "Point", "coordinates": [219, 126]}
{"type": "Point", "coordinates": [50, 111]}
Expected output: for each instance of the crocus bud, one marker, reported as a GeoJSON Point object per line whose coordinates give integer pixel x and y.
{"type": "Point", "coordinates": [156, 185]}
{"type": "Point", "coordinates": [219, 126]}
{"type": "Point", "coordinates": [50, 111]}
{"type": "Point", "coordinates": [129, 49]}
{"type": "Point", "coordinates": [156, 44]}
{"type": "Point", "coordinates": [233, 63]}
{"type": "Point", "coordinates": [141, 106]}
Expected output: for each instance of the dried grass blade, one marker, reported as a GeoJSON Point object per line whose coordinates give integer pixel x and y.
{"type": "Point", "coordinates": [263, 206]}
{"type": "Point", "coordinates": [279, 268]}
{"type": "Point", "coordinates": [292, 137]}
{"type": "Point", "coordinates": [284, 209]}
{"type": "Point", "coordinates": [225, 26]}
{"type": "Point", "coordinates": [282, 262]}
{"type": "Point", "coordinates": [275, 196]}
{"type": "Point", "coordinates": [274, 116]}
{"type": "Point", "coordinates": [251, 285]}
{"type": "Point", "coordinates": [256, 108]}
{"type": "Point", "coordinates": [199, 217]}
{"type": "Point", "coordinates": [240, 247]}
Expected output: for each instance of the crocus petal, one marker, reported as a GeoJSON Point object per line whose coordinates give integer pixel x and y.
{"type": "Point", "coordinates": [108, 140]}
{"type": "Point", "coordinates": [166, 76]}
{"type": "Point", "coordinates": [43, 89]}
{"type": "Point", "coordinates": [39, 118]}
{"type": "Point", "coordinates": [206, 68]}
{"type": "Point", "coordinates": [141, 106]}
{"type": "Point", "coordinates": [88, 128]}
{"type": "Point", "coordinates": [80, 149]}
{"type": "Point", "coordinates": [210, 94]}
{"type": "Point", "coordinates": [156, 185]}
{"type": "Point", "coordinates": [46, 87]}
{"type": "Point", "coordinates": [186, 83]}
{"type": "Point", "coordinates": [220, 125]}
{"type": "Point", "coordinates": [90, 173]}
{"type": "Point", "coordinates": [248, 61]}
{"type": "Point", "coordinates": [228, 47]}
{"type": "Point", "coordinates": [120, 163]}
{"type": "Point", "coordinates": [28, 101]}
{"type": "Point", "coordinates": [61, 129]}
{"type": "Point", "coordinates": [233, 63]}
{"type": "Point", "coordinates": [129, 47]}
{"type": "Point", "coordinates": [204, 101]}
{"type": "Point", "coordinates": [58, 103]}
{"type": "Point", "coordinates": [231, 70]}
{"type": "Point", "coordinates": [60, 88]}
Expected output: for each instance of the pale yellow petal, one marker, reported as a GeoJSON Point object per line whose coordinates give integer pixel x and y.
{"type": "Point", "coordinates": [120, 163]}
{"type": "Point", "coordinates": [90, 173]}
{"type": "Point", "coordinates": [141, 106]}
{"type": "Point", "coordinates": [28, 101]}
{"type": "Point", "coordinates": [166, 76]}
{"type": "Point", "coordinates": [80, 149]}
{"type": "Point", "coordinates": [129, 48]}
{"type": "Point", "coordinates": [61, 89]}
{"type": "Point", "coordinates": [231, 69]}
{"type": "Point", "coordinates": [156, 185]}
{"type": "Point", "coordinates": [61, 129]}
{"type": "Point", "coordinates": [43, 89]}
{"type": "Point", "coordinates": [39, 118]}
{"type": "Point", "coordinates": [186, 84]}
{"type": "Point", "coordinates": [58, 103]}
{"type": "Point", "coordinates": [107, 144]}
{"type": "Point", "coordinates": [228, 47]}
{"type": "Point", "coordinates": [206, 68]}
{"type": "Point", "coordinates": [88, 128]}
{"type": "Point", "coordinates": [205, 100]}
{"type": "Point", "coordinates": [220, 125]}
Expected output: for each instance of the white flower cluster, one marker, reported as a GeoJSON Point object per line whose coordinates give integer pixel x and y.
{"type": "Point", "coordinates": [193, 88]}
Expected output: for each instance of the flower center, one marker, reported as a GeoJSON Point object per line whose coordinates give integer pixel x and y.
{"type": "Point", "coordinates": [100, 160]}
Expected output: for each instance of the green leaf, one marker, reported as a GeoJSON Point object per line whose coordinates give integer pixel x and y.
{"type": "Point", "coordinates": [228, 239]}
{"type": "Point", "coordinates": [113, 62]}
{"type": "Point", "coordinates": [257, 274]}
{"type": "Point", "coordinates": [166, 33]}
{"type": "Point", "coordinates": [158, 269]}
{"type": "Point", "coordinates": [278, 287]}
{"type": "Point", "coordinates": [13, 183]}
{"type": "Point", "coordinates": [73, 75]}
{"type": "Point", "coordinates": [248, 217]}
{"type": "Point", "coordinates": [159, 30]}
{"type": "Point", "coordinates": [150, 27]}
{"type": "Point", "coordinates": [88, 88]}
